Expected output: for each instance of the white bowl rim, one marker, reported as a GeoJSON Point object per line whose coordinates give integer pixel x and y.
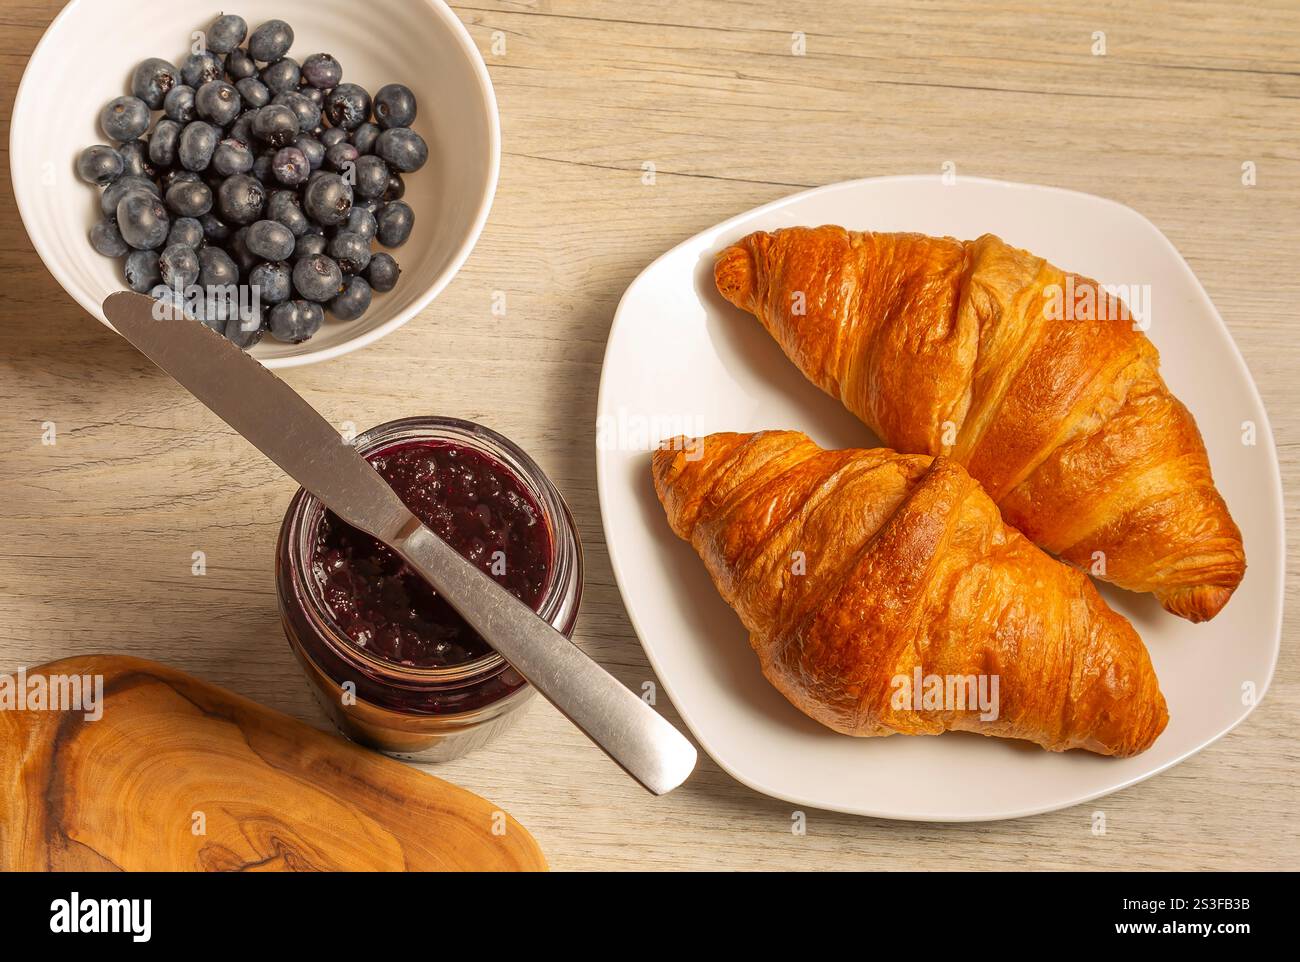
{"type": "Point", "coordinates": [470, 49]}
{"type": "Point", "coordinates": [622, 576]}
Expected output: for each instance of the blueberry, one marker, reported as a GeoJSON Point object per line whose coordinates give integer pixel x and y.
{"type": "Point", "coordinates": [282, 320]}
{"type": "Point", "coordinates": [124, 118]}
{"type": "Point", "coordinates": [350, 251]}
{"type": "Point", "coordinates": [124, 185]}
{"type": "Point", "coordinates": [143, 221]}
{"type": "Point", "coordinates": [276, 125]}
{"type": "Point", "coordinates": [179, 266]}
{"type": "Point", "coordinates": [284, 208]}
{"type": "Point", "coordinates": [317, 277]}
{"type": "Point", "coordinates": [239, 65]}
{"type": "Point", "coordinates": [371, 177]}
{"type": "Point", "coordinates": [254, 92]}
{"type": "Point", "coordinates": [370, 205]}
{"type": "Point", "coordinates": [270, 41]}
{"type": "Point", "coordinates": [395, 220]}
{"type": "Point", "coordinates": [312, 94]}
{"type": "Point", "coordinates": [100, 165]}
{"type": "Point", "coordinates": [396, 187]}
{"type": "Point", "coordinates": [271, 280]}
{"type": "Point", "coordinates": [322, 71]}
{"type": "Point", "coordinates": [353, 301]}
{"type": "Point", "coordinates": [178, 105]}
{"type": "Point", "coordinates": [402, 149]}
{"type": "Point", "coordinates": [347, 106]}
{"type": "Point", "coordinates": [364, 138]}
{"type": "Point", "coordinates": [262, 167]}
{"type": "Point", "coordinates": [342, 159]}
{"type": "Point", "coordinates": [135, 159]}
{"type": "Point", "coordinates": [240, 199]}
{"type": "Point", "coordinates": [395, 106]}
{"type": "Point", "coordinates": [244, 333]}
{"type": "Point", "coordinates": [314, 312]}
{"type": "Point", "coordinates": [360, 221]}
{"type": "Point", "coordinates": [142, 271]}
{"type": "Point", "coordinates": [295, 321]}
{"type": "Point", "coordinates": [198, 141]}
{"type": "Point", "coordinates": [383, 272]}
{"type": "Point", "coordinates": [199, 68]}
{"type": "Point", "coordinates": [178, 175]}
{"type": "Point", "coordinates": [216, 269]}
{"type": "Point", "coordinates": [327, 199]}
{"type": "Point", "coordinates": [334, 135]}
{"type": "Point", "coordinates": [308, 245]}
{"type": "Point", "coordinates": [308, 112]}
{"type": "Point", "coordinates": [187, 231]}
{"type": "Point", "coordinates": [270, 240]}
{"type": "Point", "coordinates": [107, 239]}
{"type": "Point", "coordinates": [226, 33]}
{"type": "Point", "coordinates": [282, 76]}
{"type": "Point", "coordinates": [163, 139]}
{"type": "Point", "coordinates": [244, 259]}
{"type": "Point", "coordinates": [218, 102]}
{"type": "Point", "coordinates": [290, 167]}
{"type": "Point", "coordinates": [312, 149]}
{"type": "Point", "coordinates": [242, 128]}
{"type": "Point", "coordinates": [189, 198]}
{"type": "Point", "coordinates": [215, 230]}
{"type": "Point", "coordinates": [216, 305]}
{"type": "Point", "coordinates": [153, 80]}
{"type": "Point", "coordinates": [232, 157]}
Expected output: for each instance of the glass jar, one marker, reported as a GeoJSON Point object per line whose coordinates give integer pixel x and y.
{"type": "Point", "coordinates": [432, 714]}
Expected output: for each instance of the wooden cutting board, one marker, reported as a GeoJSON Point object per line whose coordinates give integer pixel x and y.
{"type": "Point", "coordinates": [179, 775]}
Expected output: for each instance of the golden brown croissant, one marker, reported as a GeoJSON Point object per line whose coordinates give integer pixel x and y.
{"type": "Point", "coordinates": [854, 570]}
{"type": "Point", "coordinates": [970, 349]}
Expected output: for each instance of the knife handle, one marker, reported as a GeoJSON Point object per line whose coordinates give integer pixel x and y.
{"type": "Point", "coordinates": [631, 732]}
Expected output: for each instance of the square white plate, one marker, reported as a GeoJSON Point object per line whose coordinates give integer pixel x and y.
{"type": "Point", "coordinates": [680, 359]}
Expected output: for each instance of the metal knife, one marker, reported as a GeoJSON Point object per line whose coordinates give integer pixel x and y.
{"type": "Point", "coordinates": [291, 433]}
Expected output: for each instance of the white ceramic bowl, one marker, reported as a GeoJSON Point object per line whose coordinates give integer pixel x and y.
{"type": "Point", "coordinates": [420, 43]}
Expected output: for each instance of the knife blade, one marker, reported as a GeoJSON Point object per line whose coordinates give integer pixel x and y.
{"type": "Point", "coordinates": [289, 431]}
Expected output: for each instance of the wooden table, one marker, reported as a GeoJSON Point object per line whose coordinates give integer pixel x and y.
{"type": "Point", "coordinates": [101, 527]}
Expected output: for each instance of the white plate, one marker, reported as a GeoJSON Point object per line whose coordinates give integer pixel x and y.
{"type": "Point", "coordinates": [680, 359]}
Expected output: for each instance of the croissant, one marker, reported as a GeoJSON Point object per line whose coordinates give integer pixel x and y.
{"type": "Point", "coordinates": [1038, 382]}
{"type": "Point", "coordinates": [859, 572]}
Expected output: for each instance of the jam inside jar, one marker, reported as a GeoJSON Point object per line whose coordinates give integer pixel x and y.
{"type": "Point", "coordinates": [472, 502]}
{"type": "Point", "coordinates": [391, 662]}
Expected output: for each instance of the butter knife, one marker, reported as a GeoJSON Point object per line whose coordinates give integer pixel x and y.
{"type": "Point", "coordinates": [292, 433]}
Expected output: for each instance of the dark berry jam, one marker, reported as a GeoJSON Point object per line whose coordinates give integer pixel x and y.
{"type": "Point", "coordinates": [471, 501]}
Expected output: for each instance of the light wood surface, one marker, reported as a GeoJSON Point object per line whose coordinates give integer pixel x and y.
{"type": "Point", "coordinates": [159, 771]}
{"type": "Point", "coordinates": [100, 528]}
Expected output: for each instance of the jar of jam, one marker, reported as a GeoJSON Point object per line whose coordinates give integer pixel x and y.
{"type": "Point", "coordinates": [392, 663]}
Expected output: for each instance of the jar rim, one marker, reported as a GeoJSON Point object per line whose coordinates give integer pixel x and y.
{"type": "Point", "coordinates": [560, 596]}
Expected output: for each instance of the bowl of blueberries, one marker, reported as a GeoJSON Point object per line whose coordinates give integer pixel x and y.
{"type": "Point", "coordinates": [300, 177]}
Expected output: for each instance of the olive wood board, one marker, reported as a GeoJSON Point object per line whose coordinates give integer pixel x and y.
{"type": "Point", "coordinates": [179, 775]}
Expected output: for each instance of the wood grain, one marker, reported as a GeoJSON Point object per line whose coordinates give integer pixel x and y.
{"type": "Point", "coordinates": [168, 773]}
{"type": "Point", "coordinates": [101, 527]}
